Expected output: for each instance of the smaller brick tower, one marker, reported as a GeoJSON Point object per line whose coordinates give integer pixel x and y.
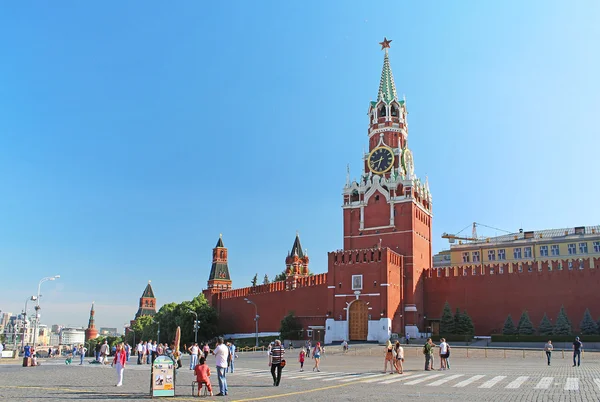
{"type": "Point", "coordinates": [147, 303]}
{"type": "Point", "coordinates": [219, 279]}
{"type": "Point", "coordinates": [296, 264]}
{"type": "Point", "coordinates": [91, 332]}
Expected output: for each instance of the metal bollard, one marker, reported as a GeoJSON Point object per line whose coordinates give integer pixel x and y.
{"type": "Point", "coordinates": [523, 353]}
{"type": "Point", "coordinates": [467, 353]}
{"type": "Point", "coordinates": [505, 353]}
{"type": "Point", "coordinates": [563, 353]}
{"type": "Point", "coordinates": [486, 353]}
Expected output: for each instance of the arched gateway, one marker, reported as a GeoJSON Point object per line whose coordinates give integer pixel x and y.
{"type": "Point", "coordinates": [358, 326]}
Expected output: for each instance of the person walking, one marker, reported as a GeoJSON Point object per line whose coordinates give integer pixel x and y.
{"type": "Point", "coordinates": [82, 350]}
{"type": "Point", "coordinates": [407, 339]}
{"type": "Point", "coordinates": [577, 348]}
{"type": "Point", "coordinates": [104, 352]}
{"type": "Point", "coordinates": [140, 352]}
{"type": "Point", "coordinates": [127, 351]}
{"type": "Point", "coordinates": [276, 361]}
{"type": "Point", "coordinates": [221, 353]}
{"type": "Point", "coordinates": [97, 352]}
{"type": "Point", "coordinates": [389, 357]}
{"type": "Point", "coordinates": [317, 356]}
{"type": "Point", "coordinates": [206, 350]}
{"type": "Point", "coordinates": [301, 357]}
{"type": "Point", "coordinates": [119, 362]}
{"type": "Point", "coordinates": [399, 354]}
{"type": "Point", "coordinates": [194, 349]}
{"type": "Point", "coordinates": [548, 348]}
{"type": "Point", "coordinates": [428, 352]}
{"type": "Point", "coordinates": [232, 355]}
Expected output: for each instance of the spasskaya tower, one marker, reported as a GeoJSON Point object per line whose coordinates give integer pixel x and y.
{"type": "Point", "coordinates": [388, 206]}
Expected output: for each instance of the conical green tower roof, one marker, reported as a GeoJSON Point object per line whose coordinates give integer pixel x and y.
{"type": "Point", "coordinates": [387, 87]}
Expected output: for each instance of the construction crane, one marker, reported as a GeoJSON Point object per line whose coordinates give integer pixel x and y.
{"type": "Point", "coordinates": [453, 237]}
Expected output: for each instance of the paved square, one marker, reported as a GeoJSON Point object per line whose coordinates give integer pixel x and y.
{"type": "Point", "coordinates": [342, 378]}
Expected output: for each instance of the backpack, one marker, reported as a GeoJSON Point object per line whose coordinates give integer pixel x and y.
{"type": "Point", "coordinates": [425, 349]}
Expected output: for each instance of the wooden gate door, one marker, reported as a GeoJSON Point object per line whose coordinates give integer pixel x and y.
{"type": "Point", "coordinates": [359, 321]}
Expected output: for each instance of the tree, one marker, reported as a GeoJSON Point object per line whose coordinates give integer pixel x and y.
{"type": "Point", "coordinates": [447, 321]}
{"type": "Point", "coordinates": [598, 324]}
{"type": "Point", "coordinates": [290, 327]}
{"type": "Point", "coordinates": [588, 326]}
{"type": "Point", "coordinates": [266, 280]}
{"type": "Point", "coordinates": [280, 277]}
{"type": "Point", "coordinates": [457, 321]}
{"type": "Point", "coordinates": [563, 324]}
{"type": "Point", "coordinates": [255, 280]}
{"type": "Point", "coordinates": [465, 325]}
{"type": "Point", "coordinates": [525, 327]}
{"type": "Point", "coordinates": [509, 326]}
{"type": "Point", "coordinates": [545, 327]}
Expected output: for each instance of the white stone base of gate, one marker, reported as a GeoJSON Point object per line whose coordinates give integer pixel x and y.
{"type": "Point", "coordinates": [378, 330]}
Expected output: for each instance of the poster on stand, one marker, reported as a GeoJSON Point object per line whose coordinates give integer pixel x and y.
{"type": "Point", "coordinates": [162, 381]}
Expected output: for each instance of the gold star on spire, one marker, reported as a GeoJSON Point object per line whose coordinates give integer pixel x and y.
{"type": "Point", "coordinates": [385, 44]}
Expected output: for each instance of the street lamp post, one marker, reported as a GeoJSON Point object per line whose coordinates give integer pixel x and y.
{"type": "Point", "coordinates": [32, 298]}
{"type": "Point", "coordinates": [256, 317]}
{"type": "Point", "coordinates": [158, 332]}
{"type": "Point", "coordinates": [195, 326]}
{"type": "Point", "coordinates": [37, 306]}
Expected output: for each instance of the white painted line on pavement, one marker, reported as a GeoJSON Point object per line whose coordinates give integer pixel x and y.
{"type": "Point", "coordinates": [420, 380]}
{"type": "Point", "coordinates": [572, 384]}
{"type": "Point", "coordinates": [402, 378]}
{"type": "Point", "coordinates": [444, 380]}
{"type": "Point", "coordinates": [517, 383]}
{"type": "Point", "coordinates": [318, 376]}
{"type": "Point", "coordinates": [345, 375]}
{"type": "Point", "coordinates": [492, 382]}
{"type": "Point", "coordinates": [597, 381]}
{"type": "Point", "coordinates": [468, 381]}
{"type": "Point", "coordinates": [544, 383]}
{"type": "Point", "coordinates": [378, 378]}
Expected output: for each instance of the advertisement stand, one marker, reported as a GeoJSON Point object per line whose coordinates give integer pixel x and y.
{"type": "Point", "coordinates": [162, 377]}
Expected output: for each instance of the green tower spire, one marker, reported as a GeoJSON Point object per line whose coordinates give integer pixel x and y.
{"type": "Point", "coordinates": [387, 87]}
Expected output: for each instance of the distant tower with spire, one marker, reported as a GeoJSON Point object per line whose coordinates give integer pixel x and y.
{"type": "Point", "coordinates": [296, 264]}
{"type": "Point", "coordinates": [219, 279]}
{"type": "Point", "coordinates": [147, 303]}
{"type": "Point", "coordinates": [91, 332]}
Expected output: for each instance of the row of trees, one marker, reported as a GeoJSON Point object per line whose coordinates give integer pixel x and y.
{"type": "Point", "coordinates": [457, 324]}
{"type": "Point", "coordinates": [562, 325]}
{"type": "Point", "coordinates": [173, 315]}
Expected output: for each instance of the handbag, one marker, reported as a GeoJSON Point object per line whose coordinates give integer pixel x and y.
{"type": "Point", "coordinates": [283, 363]}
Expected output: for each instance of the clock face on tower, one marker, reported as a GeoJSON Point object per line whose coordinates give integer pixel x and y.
{"type": "Point", "coordinates": [381, 160]}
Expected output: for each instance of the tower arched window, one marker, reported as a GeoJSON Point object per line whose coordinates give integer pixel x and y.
{"type": "Point", "coordinates": [382, 112]}
{"type": "Point", "coordinates": [394, 111]}
{"type": "Point", "coordinates": [222, 253]}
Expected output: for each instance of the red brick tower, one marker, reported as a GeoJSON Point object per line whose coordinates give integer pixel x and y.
{"type": "Point", "coordinates": [296, 263]}
{"type": "Point", "coordinates": [388, 206]}
{"type": "Point", "coordinates": [91, 332]}
{"type": "Point", "coordinates": [147, 303]}
{"type": "Point", "coordinates": [219, 279]}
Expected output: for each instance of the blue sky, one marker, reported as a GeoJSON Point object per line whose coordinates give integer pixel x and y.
{"type": "Point", "coordinates": [132, 134]}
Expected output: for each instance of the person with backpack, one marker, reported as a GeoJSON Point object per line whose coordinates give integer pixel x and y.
{"type": "Point", "coordinates": [428, 352]}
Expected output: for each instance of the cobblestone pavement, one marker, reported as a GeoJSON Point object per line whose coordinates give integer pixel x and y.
{"type": "Point", "coordinates": [342, 378]}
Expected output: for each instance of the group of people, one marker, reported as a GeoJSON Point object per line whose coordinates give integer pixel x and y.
{"type": "Point", "coordinates": [444, 354]}
{"type": "Point", "coordinates": [394, 356]}
{"type": "Point", "coordinates": [224, 356]}
{"type": "Point", "coordinates": [577, 350]}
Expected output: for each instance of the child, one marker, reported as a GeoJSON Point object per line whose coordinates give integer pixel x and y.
{"type": "Point", "coordinates": [202, 372]}
{"type": "Point", "coordinates": [301, 359]}
{"type": "Point", "coordinates": [399, 352]}
{"type": "Point", "coordinates": [69, 359]}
